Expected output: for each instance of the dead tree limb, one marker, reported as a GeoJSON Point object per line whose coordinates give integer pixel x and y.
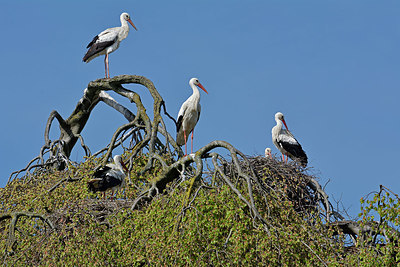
{"type": "Point", "coordinates": [14, 216]}
{"type": "Point", "coordinates": [369, 230]}
{"type": "Point", "coordinates": [71, 128]}
{"type": "Point", "coordinates": [106, 98]}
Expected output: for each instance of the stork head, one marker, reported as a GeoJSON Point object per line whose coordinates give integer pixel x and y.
{"type": "Point", "coordinates": [279, 116]}
{"type": "Point", "coordinates": [125, 16]}
{"type": "Point", "coordinates": [118, 159]}
{"type": "Point", "coordinates": [268, 153]}
{"type": "Point", "coordinates": [196, 82]}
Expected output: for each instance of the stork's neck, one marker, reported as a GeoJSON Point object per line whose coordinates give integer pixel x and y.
{"type": "Point", "coordinates": [119, 166]}
{"type": "Point", "coordinates": [117, 162]}
{"type": "Point", "coordinates": [279, 124]}
{"type": "Point", "coordinates": [196, 93]}
{"type": "Point", "coordinates": [124, 29]}
{"type": "Point", "coordinates": [124, 24]}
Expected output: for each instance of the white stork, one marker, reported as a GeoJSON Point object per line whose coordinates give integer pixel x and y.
{"type": "Point", "coordinates": [268, 153]}
{"type": "Point", "coordinates": [110, 177]}
{"type": "Point", "coordinates": [108, 41]}
{"type": "Point", "coordinates": [189, 115]}
{"type": "Point", "coordinates": [286, 143]}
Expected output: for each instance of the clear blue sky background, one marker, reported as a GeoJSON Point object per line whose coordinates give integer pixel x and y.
{"type": "Point", "coordinates": [332, 67]}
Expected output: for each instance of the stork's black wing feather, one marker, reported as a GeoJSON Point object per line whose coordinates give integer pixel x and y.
{"type": "Point", "coordinates": [93, 41]}
{"type": "Point", "coordinates": [179, 123]}
{"type": "Point", "coordinates": [102, 172]}
{"type": "Point", "coordinates": [295, 152]}
{"type": "Point", "coordinates": [103, 184]}
{"type": "Point", "coordinates": [198, 117]}
{"type": "Point", "coordinates": [97, 47]}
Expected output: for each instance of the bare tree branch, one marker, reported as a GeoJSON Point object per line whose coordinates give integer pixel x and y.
{"type": "Point", "coordinates": [14, 216]}
{"type": "Point", "coordinates": [71, 127]}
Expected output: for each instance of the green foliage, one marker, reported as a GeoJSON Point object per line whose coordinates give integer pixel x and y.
{"type": "Point", "coordinates": [214, 228]}
{"type": "Point", "coordinates": [382, 215]}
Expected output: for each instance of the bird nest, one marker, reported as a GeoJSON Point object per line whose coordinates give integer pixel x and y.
{"type": "Point", "coordinates": [287, 181]}
{"type": "Point", "coordinates": [95, 209]}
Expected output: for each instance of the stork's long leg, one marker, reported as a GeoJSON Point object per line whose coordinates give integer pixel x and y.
{"type": "Point", "coordinates": [184, 136]}
{"type": "Point", "coordinates": [285, 159]}
{"type": "Point", "coordinates": [107, 66]}
{"type": "Point", "coordinates": [191, 151]}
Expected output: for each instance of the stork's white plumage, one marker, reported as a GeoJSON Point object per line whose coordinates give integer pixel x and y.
{"type": "Point", "coordinates": [108, 41]}
{"type": "Point", "coordinates": [286, 143]}
{"type": "Point", "coordinates": [110, 177]}
{"type": "Point", "coordinates": [268, 153]}
{"type": "Point", "coordinates": [189, 115]}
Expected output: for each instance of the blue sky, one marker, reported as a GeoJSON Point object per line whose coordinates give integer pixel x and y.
{"type": "Point", "coordinates": [332, 67]}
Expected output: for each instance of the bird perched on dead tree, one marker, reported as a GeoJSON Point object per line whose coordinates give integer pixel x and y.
{"type": "Point", "coordinates": [108, 41]}
{"type": "Point", "coordinates": [286, 143]}
{"type": "Point", "coordinates": [189, 115]}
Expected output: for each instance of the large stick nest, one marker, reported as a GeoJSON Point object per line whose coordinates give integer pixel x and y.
{"type": "Point", "coordinates": [290, 180]}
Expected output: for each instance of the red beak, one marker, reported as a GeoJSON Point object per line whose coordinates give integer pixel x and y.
{"type": "Point", "coordinates": [201, 86]}
{"type": "Point", "coordinates": [130, 21]}
{"type": "Point", "coordinates": [124, 166]}
{"type": "Point", "coordinates": [283, 120]}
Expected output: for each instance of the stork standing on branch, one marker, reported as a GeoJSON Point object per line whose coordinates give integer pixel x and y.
{"type": "Point", "coordinates": [108, 41]}
{"type": "Point", "coordinates": [189, 115]}
{"type": "Point", "coordinates": [110, 177]}
{"type": "Point", "coordinates": [286, 143]}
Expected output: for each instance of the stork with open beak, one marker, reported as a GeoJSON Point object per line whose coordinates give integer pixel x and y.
{"type": "Point", "coordinates": [189, 115]}
{"type": "Point", "coordinates": [108, 41]}
{"type": "Point", "coordinates": [286, 143]}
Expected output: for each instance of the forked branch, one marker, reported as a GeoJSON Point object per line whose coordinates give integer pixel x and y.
{"type": "Point", "coordinates": [14, 216]}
